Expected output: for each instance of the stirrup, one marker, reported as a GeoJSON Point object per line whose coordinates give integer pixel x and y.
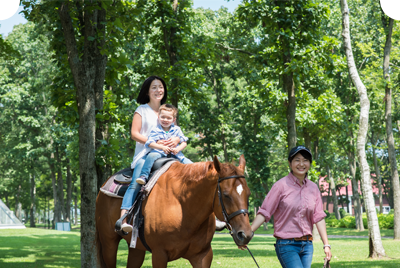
{"type": "Point", "coordinates": [118, 225]}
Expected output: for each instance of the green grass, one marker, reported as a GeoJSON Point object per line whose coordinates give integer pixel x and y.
{"type": "Point", "coordinates": [35, 247]}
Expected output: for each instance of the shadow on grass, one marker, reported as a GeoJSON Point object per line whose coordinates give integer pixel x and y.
{"type": "Point", "coordinates": [39, 251]}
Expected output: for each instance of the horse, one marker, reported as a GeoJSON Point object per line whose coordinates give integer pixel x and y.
{"type": "Point", "coordinates": [179, 215]}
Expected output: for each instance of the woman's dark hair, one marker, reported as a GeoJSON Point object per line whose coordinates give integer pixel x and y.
{"type": "Point", "coordinates": [305, 154]}
{"type": "Point", "coordinates": [143, 97]}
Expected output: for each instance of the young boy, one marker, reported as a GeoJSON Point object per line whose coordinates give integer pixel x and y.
{"type": "Point", "coordinates": [164, 130]}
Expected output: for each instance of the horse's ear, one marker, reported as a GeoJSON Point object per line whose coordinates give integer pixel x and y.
{"type": "Point", "coordinates": [217, 164]}
{"type": "Point", "coordinates": [242, 162]}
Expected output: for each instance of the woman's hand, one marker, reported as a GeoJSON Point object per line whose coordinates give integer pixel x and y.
{"type": "Point", "coordinates": [172, 142]}
{"type": "Point", "coordinates": [328, 253]}
{"type": "Point", "coordinates": [242, 247]}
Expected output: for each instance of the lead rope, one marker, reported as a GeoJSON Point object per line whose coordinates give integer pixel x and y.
{"type": "Point", "coordinates": [252, 256]}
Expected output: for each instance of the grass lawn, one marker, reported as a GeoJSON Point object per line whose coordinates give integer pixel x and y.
{"type": "Point", "coordinates": [35, 247]}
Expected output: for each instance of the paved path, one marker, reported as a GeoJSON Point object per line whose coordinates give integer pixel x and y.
{"type": "Point", "coordinates": [329, 236]}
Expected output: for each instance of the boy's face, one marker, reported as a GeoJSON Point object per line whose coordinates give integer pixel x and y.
{"type": "Point", "coordinates": [166, 118]}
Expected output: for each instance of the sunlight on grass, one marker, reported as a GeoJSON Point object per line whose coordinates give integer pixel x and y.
{"type": "Point", "coordinates": [54, 249]}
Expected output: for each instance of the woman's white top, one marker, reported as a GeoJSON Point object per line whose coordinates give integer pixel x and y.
{"type": "Point", "coordinates": [149, 121]}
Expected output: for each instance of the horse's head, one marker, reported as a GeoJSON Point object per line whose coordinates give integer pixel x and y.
{"type": "Point", "coordinates": [231, 200]}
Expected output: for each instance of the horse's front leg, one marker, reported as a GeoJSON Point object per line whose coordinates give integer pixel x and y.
{"type": "Point", "coordinates": [203, 259]}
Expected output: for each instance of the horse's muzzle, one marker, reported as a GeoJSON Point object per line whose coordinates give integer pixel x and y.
{"type": "Point", "coordinates": [241, 238]}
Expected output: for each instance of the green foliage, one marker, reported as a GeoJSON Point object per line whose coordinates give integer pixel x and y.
{"type": "Point", "coordinates": [7, 52]}
{"type": "Point", "coordinates": [343, 213]}
{"type": "Point", "coordinates": [386, 221]}
{"type": "Point", "coordinates": [349, 222]}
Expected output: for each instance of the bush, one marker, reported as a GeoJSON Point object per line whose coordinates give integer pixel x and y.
{"type": "Point", "coordinates": [390, 221]}
{"type": "Point", "coordinates": [365, 220]}
{"type": "Point", "coordinates": [349, 222]}
{"type": "Point", "coordinates": [386, 221]}
{"type": "Point", "coordinates": [327, 214]}
{"type": "Point", "coordinates": [343, 213]}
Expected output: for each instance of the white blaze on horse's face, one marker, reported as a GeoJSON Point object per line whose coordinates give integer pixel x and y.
{"type": "Point", "coordinates": [239, 189]}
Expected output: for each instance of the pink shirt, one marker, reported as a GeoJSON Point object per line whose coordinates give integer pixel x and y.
{"type": "Point", "coordinates": [295, 207]}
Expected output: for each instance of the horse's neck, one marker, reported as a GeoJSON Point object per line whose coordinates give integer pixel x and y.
{"type": "Point", "coordinates": [199, 196]}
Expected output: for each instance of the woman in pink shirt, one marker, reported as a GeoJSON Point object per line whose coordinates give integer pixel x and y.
{"type": "Point", "coordinates": [296, 204]}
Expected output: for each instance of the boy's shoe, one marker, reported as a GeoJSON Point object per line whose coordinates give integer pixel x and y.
{"type": "Point", "coordinates": [126, 227]}
{"type": "Point", "coordinates": [141, 180]}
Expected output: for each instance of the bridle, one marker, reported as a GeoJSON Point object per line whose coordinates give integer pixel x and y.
{"type": "Point", "coordinates": [228, 217]}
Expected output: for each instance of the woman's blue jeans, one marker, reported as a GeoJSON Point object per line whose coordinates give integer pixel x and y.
{"type": "Point", "coordinates": [294, 254]}
{"type": "Point", "coordinates": [134, 187]}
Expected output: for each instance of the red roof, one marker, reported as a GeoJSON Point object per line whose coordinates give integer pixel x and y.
{"type": "Point", "coordinates": [324, 186]}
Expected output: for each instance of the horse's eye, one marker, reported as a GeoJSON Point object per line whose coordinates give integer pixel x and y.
{"type": "Point", "coordinates": [227, 196]}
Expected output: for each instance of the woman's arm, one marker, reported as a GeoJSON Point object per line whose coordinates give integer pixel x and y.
{"type": "Point", "coordinates": [321, 226]}
{"type": "Point", "coordinates": [258, 221]}
{"type": "Point", "coordinates": [135, 129]}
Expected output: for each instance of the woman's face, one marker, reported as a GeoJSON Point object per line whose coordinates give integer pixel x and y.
{"type": "Point", "coordinates": [156, 91]}
{"type": "Point", "coordinates": [299, 166]}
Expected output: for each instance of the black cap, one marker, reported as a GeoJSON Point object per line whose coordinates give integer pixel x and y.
{"type": "Point", "coordinates": [297, 149]}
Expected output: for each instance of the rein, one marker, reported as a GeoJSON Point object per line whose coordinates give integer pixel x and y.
{"type": "Point", "coordinates": [228, 217]}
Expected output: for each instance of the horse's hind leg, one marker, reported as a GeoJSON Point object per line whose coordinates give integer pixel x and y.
{"type": "Point", "coordinates": [202, 260]}
{"type": "Point", "coordinates": [135, 258]}
{"type": "Point", "coordinates": [109, 253]}
{"type": "Point", "coordinates": [159, 259]}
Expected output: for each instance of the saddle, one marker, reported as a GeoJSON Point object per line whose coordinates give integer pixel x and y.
{"type": "Point", "coordinates": [118, 183]}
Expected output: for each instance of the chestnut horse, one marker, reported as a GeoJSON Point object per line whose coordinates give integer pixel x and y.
{"type": "Point", "coordinates": [179, 215]}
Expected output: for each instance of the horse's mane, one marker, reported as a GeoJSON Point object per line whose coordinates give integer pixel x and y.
{"type": "Point", "coordinates": [198, 171]}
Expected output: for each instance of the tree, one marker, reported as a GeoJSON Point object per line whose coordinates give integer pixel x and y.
{"type": "Point", "coordinates": [375, 242]}
{"type": "Point", "coordinates": [290, 33]}
{"type": "Point", "coordinates": [388, 25]}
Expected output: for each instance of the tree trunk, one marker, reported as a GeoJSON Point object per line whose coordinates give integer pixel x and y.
{"type": "Point", "coordinates": [76, 207]}
{"type": "Point", "coordinates": [328, 198]}
{"type": "Point", "coordinates": [354, 185]}
{"type": "Point", "coordinates": [60, 184]}
{"type": "Point", "coordinates": [32, 209]}
{"type": "Point", "coordinates": [57, 214]}
{"type": "Point", "coordinates": [347, 198]}
{"type": "Point", "coordinates": [18, 204]}
{"type": "Point", "coordinates": [88, 73]}
{"type": "Point", "coordinates": [333, 190]}
{"type": "Point", "coordinates": [375, 242]}
{"type": "Point", "coordinates": [288, 85]}
{"type": "Point", "coordinates": [389, 131]}
{"type": "Point", "coordinates": [223, 139]}
{"type": "Point", "coordinates": [172, 51]}
{"type": "Point", "coordinates": [377, 173]}
{"type": "Point", "coordinates": [307, 138]}
{"type": "Point", "coordinates": [69, 193]}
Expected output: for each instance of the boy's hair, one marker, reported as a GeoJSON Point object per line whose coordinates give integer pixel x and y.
{"type": "Point", "coordinates": [169, 108]}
